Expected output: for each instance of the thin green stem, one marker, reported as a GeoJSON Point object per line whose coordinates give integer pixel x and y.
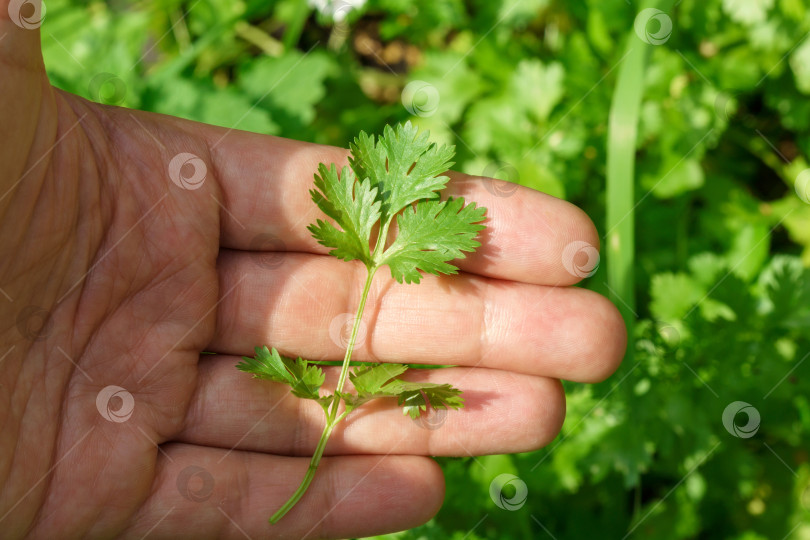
{"type": "Point", "coordinates": [379, 247]}
{"type": "Point", "coordinates": [313, 468]}
{"type": "Point", "coordinates": [344, 370]}
{"type": "Point", "coordinates": [332, 417]}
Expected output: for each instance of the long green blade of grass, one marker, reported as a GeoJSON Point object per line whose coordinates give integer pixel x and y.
{"type": "Point", "coordinates": [621, 150]}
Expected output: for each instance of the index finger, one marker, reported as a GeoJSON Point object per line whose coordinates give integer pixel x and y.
{"type": "Point", "coordinates": [530, 236]}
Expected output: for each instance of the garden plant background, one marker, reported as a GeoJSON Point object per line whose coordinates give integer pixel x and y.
{"type": "Point", "coordinates": [704, 430]}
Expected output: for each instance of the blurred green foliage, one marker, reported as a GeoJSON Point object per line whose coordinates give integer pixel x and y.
{"type": "Point", "coordinates": [523, 89]}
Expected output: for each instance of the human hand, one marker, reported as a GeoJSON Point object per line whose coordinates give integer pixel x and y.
{"type": "Point", "coordinates": [140, 264]}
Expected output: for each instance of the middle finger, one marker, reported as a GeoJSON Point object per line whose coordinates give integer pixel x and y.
{"type": "Point", "coordinates": [303, 305]}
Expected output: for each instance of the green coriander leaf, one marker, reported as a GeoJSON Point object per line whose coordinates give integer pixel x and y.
{"type": "Point", "coordinates": [304, 379]}
{"type": "Point", "coordinates": [786, 284]}
{"type": "Point", "coordinates": [353, 205]}
{"type": "Point", "coordinates": [403, 165]}
{"type": "Point", "coordinates": [430, 235]}
{"type": "Point", "coordinates": [378, 382]}
{"type": "Point", "coordinates": [414, 396]}
{"type": "Point", "coordinates": [266, 365]}
{"type": "Point", "coordinates": [368, 381]}
{"type": "Point", "coordinates": [308, 379]}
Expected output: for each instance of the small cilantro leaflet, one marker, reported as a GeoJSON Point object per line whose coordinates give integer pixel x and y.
{"type": "Point", "coordinates": [403, 165]}
{"type": "Point", "coordinates": [395, 177]}
{"type": "Point", "coordinates": [304, 378]}
{"type": "Point", "coordinates": [352, 205]}
{"type": "Point", "coordinates": [369, 379]}
{"type": "Point", "coordinates": [414, 397]}
{"type": "Point", "coordinates": [398, 170]}
{"type": "Point", "coordinates": [430, 235]}
{"type": "Point", "coordinates": [378, 381]}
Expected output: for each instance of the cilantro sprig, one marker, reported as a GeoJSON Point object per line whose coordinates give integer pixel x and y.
{"type": "Point", "coordinates": [395, 179]}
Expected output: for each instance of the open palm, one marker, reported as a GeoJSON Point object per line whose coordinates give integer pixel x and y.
{"type": "Point", "coordinates": [132, 242]}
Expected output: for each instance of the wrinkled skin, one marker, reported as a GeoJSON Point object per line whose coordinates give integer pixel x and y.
{"type": "Point", "coordinates": [134, 276]}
